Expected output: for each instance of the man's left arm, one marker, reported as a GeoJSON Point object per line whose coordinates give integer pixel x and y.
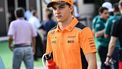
{"type": "Point", "coordinates": [88, 47]}
{"type": "Point", "coordinates": [91, 59]}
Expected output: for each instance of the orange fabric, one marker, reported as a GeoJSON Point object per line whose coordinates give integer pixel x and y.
{"type": "Point", "coordinates": [65, 45]}
{"type": "Point", "coordinates": [68, 1]}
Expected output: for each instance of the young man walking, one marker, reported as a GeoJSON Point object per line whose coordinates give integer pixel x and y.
{"type": "Point", "coordinates": [67, 39]}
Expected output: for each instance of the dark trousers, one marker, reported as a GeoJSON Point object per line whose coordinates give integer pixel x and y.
{"type": "Point", "coordinates": [102, 51]}
{"type": "Point", "coordinates": [39, 48]}
{"type": "Point", "coordinates": [115, 56]}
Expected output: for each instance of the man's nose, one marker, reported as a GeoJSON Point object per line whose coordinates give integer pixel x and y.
{"type": "Point", "coordinates": [57, 10]}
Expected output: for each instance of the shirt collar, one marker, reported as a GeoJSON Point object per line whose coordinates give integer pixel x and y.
{"type": "Point", "coordinates": [102, 19]}
{"type": "Point", "coordinates": [21, 18]}
{"type": "Point", "coordinates": [118, 14]}
{"type": "Point", "coordinates": [70, 26]}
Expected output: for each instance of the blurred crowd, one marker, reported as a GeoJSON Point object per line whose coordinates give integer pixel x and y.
{"type": "Point", "coordinates": [107, 37]}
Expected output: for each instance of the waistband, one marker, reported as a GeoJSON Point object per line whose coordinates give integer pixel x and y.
{"type": "Point", "coordinates": [21, 45]}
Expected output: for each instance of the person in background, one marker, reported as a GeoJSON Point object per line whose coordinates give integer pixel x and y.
{"type": "Point", "coordinates": [109, 24]}
{"type": "Point", "coordinates": [109, 6]}
{"type": "Point", "coordinates": [66, 40]}
{"type": "Point", "coordinates": [116, 33]}
{"type": "Point", "coordinates": [48, 24]}
{"type": "Point", "coordinates": [101, 41]}
{"type": "Point", "coordinates": [35, 22]}
{"type": "Point", "coordinates": [76, 11]}
{"type": "Point", "coordinates": [22, 34]}
{"type": "Point", "coordinates": [28, 14]}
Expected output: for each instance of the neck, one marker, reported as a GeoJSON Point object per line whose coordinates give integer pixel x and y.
{"type": "Point", "coordinates": [65, 23]}
{"type": "Point", "coordinates": [19, 17]}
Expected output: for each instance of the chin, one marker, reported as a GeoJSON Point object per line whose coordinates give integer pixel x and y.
{"type": "Point", "coordinates": [59, 20]}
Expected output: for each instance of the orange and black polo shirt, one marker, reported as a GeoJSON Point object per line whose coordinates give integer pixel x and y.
{"type": "Point", "coordinates": [66, 44]}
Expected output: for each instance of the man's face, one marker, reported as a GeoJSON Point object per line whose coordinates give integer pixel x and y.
{"type": "Point", "coordinates": [120, 8]}
{"type": "Point", "coordinates": [104, 14]}
{"type": "Point", "coordinates": [62, 11]}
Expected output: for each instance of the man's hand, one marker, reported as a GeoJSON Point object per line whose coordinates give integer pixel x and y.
{"type": "Point", "coordinates": [10, 47]}
{"type": "Point", "coordinates": [108, 60]}
{"type": "Point", "coordinates": [33, 50]}
{"type": "Point", "coordinates": [10, 40]}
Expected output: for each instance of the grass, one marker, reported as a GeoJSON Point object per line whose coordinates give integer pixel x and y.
{"type": "Point", "coordinates": [6, 55]}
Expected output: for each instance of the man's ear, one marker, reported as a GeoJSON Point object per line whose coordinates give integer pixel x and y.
{"type": "Point", "coordinates": [99, 13]}
{"type": "Point", "coordinates": [72, 9]}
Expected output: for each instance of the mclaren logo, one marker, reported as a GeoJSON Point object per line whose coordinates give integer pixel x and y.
{"type": "Point", "coordinates": [70, 41]}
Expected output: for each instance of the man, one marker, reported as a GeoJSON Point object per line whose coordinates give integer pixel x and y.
{"type": "Point", "coordinates": [47, 25]}
{"type": "Point", "coordinates": [109, 24]}
{"type": "Point", "coordinates": [115, 33]}
{"type": "Point", "coordinates": [35, 22]}
{"type": "Point", "coordinates": [101, 41]}
{"type": "Point", "coordinates": [23, 35]}
{"type": "Point", "coordinates": [109, 6]}
{"type": "Point", "coordinates": [68, 37]}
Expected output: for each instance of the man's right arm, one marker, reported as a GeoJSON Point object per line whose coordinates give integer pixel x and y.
{"type": "Point", "coordinates": [10, 40]}
{"type": "Point", "coordinates": [48, 45]}
{"type": "Point", "coordinates": [11, 33]}
{"type": "Point", "coordinates": [110, 49]}
{"type": "Point", "coordinates": [99, 33]}
{"type": "Point", "coordinates": [98, 29]}
{"type": "Point", "coordinates": [114, 35]}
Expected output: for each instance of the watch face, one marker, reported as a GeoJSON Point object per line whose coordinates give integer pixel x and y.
{"type": "Point", "coordinates": [47, 1]}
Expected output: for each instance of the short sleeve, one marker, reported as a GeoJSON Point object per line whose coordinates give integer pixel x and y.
{"type": "Point", "coordinates": [11, 30]}
{"type": "Point", "coordinates": [94, 22]}
{"type": "Point", "coordinates": [34, 32]}
{"type": "Point", "coordinates": [87, 41]}
{"type": "Point", "coordinates": [37, 23]}
{"type": "Point", "coordinates": [108, 27]}
{"type": "Point", "coordinates": [99, 26]}
{"type": "Point", "coordinates": [48, 46]}
{"type": "Point", "coordinates": [115, 29]}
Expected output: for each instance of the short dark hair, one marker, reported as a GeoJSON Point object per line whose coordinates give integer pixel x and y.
{"type": "Point", "coordinates": [101, 9]}
{"type": "Point", "coordinates": [49, 13]}
{"type": "Point", "coordinates": [19, 12]}
{"type": "Point", "coordinates": [34, 12]}
{"type": "Point", "coordinates": [116, 8]}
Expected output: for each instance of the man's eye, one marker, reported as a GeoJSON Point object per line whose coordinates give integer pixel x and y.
{"type": "Point", "coordinates": [54, 8]}
{"type": "Point", "coordinates": [61, 6]}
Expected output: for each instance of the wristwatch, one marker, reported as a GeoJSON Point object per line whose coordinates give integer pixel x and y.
{"type": "Point", "coordinates": [109, 56]}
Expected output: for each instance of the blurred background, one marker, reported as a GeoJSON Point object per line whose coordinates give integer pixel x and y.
{"type": "Point", "coordinates": [85, 11]}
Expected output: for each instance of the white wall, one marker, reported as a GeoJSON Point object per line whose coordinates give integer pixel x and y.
{"type": "Point", "coordinates": [85, 9]}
